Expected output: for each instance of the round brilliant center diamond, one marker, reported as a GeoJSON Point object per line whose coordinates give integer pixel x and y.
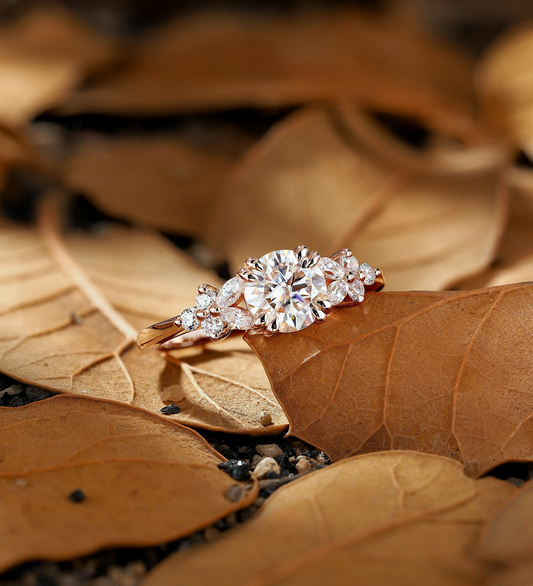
{"type": "Point", "coordinates": [285, 290]}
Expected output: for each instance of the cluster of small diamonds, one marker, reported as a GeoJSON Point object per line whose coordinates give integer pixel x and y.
{"type": "Point", "coordinates": [215, 312]}
{"type": "Point", "coordinates": [347, 278]}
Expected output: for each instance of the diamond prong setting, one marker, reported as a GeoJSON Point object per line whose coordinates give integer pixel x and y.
{"type": "Point", "coordinates": [283, 291]}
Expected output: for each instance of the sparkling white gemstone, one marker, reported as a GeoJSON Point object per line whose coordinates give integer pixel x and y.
{"type": "Point", "coordinates": [367, 274]}
{"type": "Point", "coordinates": [230, 292]}
{"type": "Point", "coordinates": [285, 291]}
{"type": "Point", "coordinates": [212, 326]}
{"type": "Point", "coordinates": [356, 290]}
{"type": "Point", "coordinates": [349, 263]}
{"type": "Point", "coordinates": [237, 318]}
{"type": "Point", "coordinates": [205, 300]}
{"type": "Point", "coordinates": [337, 291]}
{"type": "Point", "coordinates": [188, 318]}
{"type": "Point", "coordinates": [331, 269]}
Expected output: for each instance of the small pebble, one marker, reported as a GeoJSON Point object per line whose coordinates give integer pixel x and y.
{"type": "Point", "coordinates": [77, 496]}
{"type": "Point", "coordinates": [237, 469]}
{"type": "Point", "coordinates": [16, 402]}
{"type": "Point", "coordinates": [36, 394]}
{"type": "Point", "coordinates": [170, 409]}
{"type": "Point", "coordinates": [303, 464]}
{"type": "Point", "coordinates": [256, 459]}
{"type": "Point", "coordinates": [21, 483]}
{"type": "Point", "coordinates": [266, 465]}
{"type": "Point", "coordinates": [269, 450]}
{"type": "Point", "coordinates": [265, 418]}
{"type": "Point", "coordinates": [515, 481]}
{"type": "Point", "coordinates": [234, 493]}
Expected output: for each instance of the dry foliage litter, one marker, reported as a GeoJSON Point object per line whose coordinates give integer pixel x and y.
{"type": "Point", "coordinates": [232, 134]}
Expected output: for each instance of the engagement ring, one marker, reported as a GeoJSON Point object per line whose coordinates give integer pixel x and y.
{"type": "Point", "coordinates": [283, 291]}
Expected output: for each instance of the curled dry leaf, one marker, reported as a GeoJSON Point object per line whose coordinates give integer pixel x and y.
{"type": "Point", "coordinates": [42, 57]}
{"type": "Point", "coordinates": [145, 480]}
{"type": "Point", "coordinates": [70, 311]}
{"type": "Point", "coordinates": [309, 182]}
{"type": "Point", "coordinates": [381, 519]}
{"type": "Point", "coordinates": [214, 61]}
{"type": "Point", "coordinates": [445, 372]}
{"type": "Point", "coordinates": [168, 182]}
{"type": "Point", "coordinates": [514, 259]}
{"type": "Point", "coordinates": [505, 86]}
{"type": "Point", "coordinates": [508, 540]}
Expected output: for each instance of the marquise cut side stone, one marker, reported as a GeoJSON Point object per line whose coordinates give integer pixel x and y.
{"type": "Point", "coordinates": [237, 318]}
{"type": "Point", "coordinates": [230, 292]}
{"type": "Point", "coordinates": [356, 290]}
{"type": "Point", "coordinates": [331, 269]}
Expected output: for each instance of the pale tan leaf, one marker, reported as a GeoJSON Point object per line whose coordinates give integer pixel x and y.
{"type": "Point", "coordinates": [309, 183]}
{"type": "Point", "coordinates": [507, 540]}
{"type": "Point", "coordinates": [381, 519]}
{"type": "Point", "coordinates": [214, 61]}
{"type": "Point", "coordinates": [43, 55]}
{"type": "Point", "coordinates": [165, 181]}
{"type": "Point", "coordinates": [505, 85]}
{"type": "Point", "coordinates": [70, 311]}
{"type": "Point", "coordinates": [145, 480]}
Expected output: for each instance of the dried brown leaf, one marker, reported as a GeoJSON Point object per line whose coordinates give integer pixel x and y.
{"type": "Point", "coordinates": [505, 85]}
{"type": "Point", "coordinates": [168, 182]}
{"type": "Point", "coordinates": [70, 310]}
{"type": "Point", "coordinates": [213, 61]}
{"type": "Point", "coordinates": [310, 182]}
{"type": "Point", "coordinates": [444, 372]}
{"type": "Point", "coordinates": [146, 480]}
{"type": "Point", "coordinates": [514, 259]}
{"type": "Point", "coordinates": [381, 519]}
{"type": "Point", "coordinates": [508, 539]}
{"type": "Point", "coordinates": [43, 56]}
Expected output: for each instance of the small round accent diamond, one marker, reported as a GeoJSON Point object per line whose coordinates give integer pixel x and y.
{"type": "Point", "coordinates": [237, 318]}
{"type": "Point", "coordinates": [337, 291]}
{"type": "Point", "coordinates": [188, 318]}
{"type": "Point", "coordinates": [230, 292]}
{"type": "Point", "coordinates": [367, 274]}
{"type": "Point", "coordinates": [285, 290]}
{"type": "Point", "coordinates": [212, 326]}
{"type": "Point", "coordinates": [205, 300]}
{"type": "Point", "coordinates": [356, 290]}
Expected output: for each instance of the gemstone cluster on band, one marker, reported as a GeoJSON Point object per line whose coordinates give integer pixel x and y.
{"type": "Point", "coordinates": [283, 291]}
